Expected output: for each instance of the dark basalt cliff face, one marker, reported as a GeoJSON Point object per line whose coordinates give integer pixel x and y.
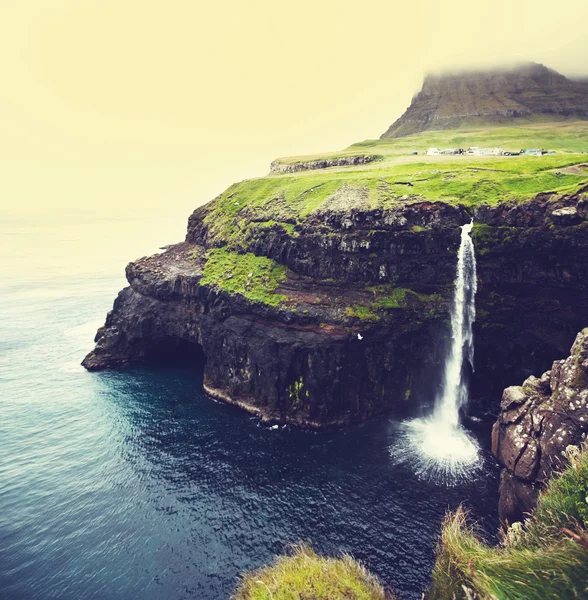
{"type": "Point", "coordinates": [361, 323]}
{"type": "Point", "coordinates": [538, 422]}
{"type": "Point", "coordinates": [301, 361]}
{"type": "Point", "coordinates": [492, 97]}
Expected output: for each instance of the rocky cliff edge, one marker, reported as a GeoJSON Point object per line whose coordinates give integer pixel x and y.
{"type": "Point", "coordinates": [538, 421]}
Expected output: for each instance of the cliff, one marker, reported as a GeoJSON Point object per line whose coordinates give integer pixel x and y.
{"type": "Point", "coordinates": [538, 421]}
{"type": "Point", "coordinates": [321, 298]}
{"type": "Point", "coordinates": [278, 314]}
{"type": "Point", "coordinates": [528, 92]}
{"type": "Point", "coordinates": [293, 166]}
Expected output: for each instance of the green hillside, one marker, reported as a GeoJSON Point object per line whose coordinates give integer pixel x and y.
{"type": "Point", "coordinates": [561, 137]}
{"type": "Point", "coordinates": [397, 175]}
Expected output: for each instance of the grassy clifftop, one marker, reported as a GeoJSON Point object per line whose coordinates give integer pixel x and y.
{"type": "Point", "coordinates": [397, 175]}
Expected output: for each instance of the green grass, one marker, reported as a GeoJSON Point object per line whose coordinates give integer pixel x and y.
{"type": "Point", "coordinates": [388, 296]}
{"type": "Point", "coordinates": [561, 137]}
{"type": "Point", "coordinates": [535, 561]}
{"type": "Point", "coordinates": [565, 503]}
{"type": "Point", "coordinates": [290, 198]}
{"type": "Point", "coordinates": [557, 136]}
{"type": "Point", "coordinates": [305, 575]}
{"type": "Point", "coordinates": [254, 277]}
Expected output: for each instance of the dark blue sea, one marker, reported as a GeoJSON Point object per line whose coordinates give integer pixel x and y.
{"type": "Point", "coordinates": [134, 484]}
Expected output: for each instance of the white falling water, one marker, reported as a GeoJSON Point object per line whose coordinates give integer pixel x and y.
{"type": "Point", "coordinates": [438, 447]}
{"type": "Point", "coordinates": [463, 314]}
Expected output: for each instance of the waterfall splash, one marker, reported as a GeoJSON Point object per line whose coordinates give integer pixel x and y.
{"type": "Point", "coordinates": [438, 447]}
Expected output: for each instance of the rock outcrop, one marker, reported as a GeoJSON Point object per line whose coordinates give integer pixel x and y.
{"type": "Point", "coordinates": [492, 97]}
{"type": "Point", "coordinates": [279, 166]}
{"type": "Point", "coordinates": [538, 421]}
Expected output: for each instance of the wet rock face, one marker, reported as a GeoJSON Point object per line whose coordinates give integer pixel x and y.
{"type": "Point", "coordinates": [538, 421]}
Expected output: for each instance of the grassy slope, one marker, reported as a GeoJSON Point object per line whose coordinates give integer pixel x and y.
{"type": "Point", "coordinates": [304, 575]}
{"type": "Point", "coordinates": [547, 558]}
{"type": "Point", "coordinates": [465, 180]}
{"type": "Point", "coordinates": [286, 200]}
{"type": "Point", "coordinates": [290, 198]}
{"type": "Point", "coordinates": [254, 277]}
{"type": "Point", "coordinates": [561, 137]}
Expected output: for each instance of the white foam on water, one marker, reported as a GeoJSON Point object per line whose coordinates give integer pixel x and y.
{"type": "Point", "coordinates": [443, 455]}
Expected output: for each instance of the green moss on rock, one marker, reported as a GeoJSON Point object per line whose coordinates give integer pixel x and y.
{"type": "Point", "coordinates": [297, 392]}
{"type": "Point", "coordinates": [361, 312]}
{"type": "Point", "coordinates": [491, 239]}
{"type": "Point", "coordinates": [388, 296]}
{"type": "Point", "coordinates": [254, 277]}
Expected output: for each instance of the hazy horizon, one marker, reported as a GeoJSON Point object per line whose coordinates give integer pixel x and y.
{"type": "Point", "coordinates": [115, 105]}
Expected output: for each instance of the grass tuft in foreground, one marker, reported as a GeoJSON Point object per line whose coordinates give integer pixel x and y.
{"type": "Point", "coordinates": [544, 558]}
{"type": "Point", "coordinates": [305, 575]}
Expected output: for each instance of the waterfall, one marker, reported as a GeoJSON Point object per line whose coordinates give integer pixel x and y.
{"type": "Point", "coordinates": [454, 392]}
{"type": "Point", "coordinates": [438, 447]}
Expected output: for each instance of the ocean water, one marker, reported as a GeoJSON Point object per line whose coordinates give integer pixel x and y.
{"type": "Point", "coordinates": [134, 484]}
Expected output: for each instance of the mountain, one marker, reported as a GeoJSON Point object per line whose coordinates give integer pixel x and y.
{"type": "Point", "coordinates": [509, 96]}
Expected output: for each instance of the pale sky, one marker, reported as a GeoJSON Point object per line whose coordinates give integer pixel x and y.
{"type": "Point", "coordinates": [109, 105]}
